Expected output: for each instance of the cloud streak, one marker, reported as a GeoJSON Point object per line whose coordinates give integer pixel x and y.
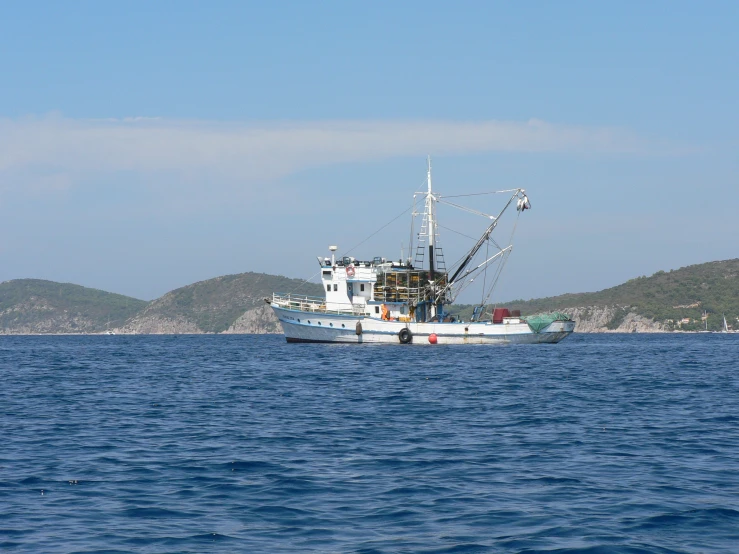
{"type": "Point", "coordinates": [262, 150]}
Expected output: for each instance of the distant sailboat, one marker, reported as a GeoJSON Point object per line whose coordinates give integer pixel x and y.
{"type": "Point", "coordinates": [726, 327]}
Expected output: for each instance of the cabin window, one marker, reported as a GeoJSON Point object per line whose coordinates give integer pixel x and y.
{"type": "Point", "coordinates": [336, 287]}
{"type": "Point", "coordinates": [361, 287]}
{"type": "Point", "coordinates": [328, 288]}
{"type": "Point", "coordinates": [377, 309]}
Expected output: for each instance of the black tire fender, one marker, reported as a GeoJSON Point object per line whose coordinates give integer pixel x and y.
{"type": "Point", "coordinates": [405, 336]}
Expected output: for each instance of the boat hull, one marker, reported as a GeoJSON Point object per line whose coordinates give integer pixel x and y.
{"type": "Point", "coordinates": [302, 326]}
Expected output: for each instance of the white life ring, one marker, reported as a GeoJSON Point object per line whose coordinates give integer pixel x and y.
{"type": "Point", "coordinates": [350, 270]}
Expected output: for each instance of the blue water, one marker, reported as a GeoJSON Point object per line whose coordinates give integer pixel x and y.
{"type": "Point", "coordinates": [600, 444]}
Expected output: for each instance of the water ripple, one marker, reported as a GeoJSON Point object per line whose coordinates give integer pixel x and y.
{"type": "Point", "coordinates": [601, 444]}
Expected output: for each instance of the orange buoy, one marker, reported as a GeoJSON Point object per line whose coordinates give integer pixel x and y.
{"type": "Point", "coordinates": [432, 338]}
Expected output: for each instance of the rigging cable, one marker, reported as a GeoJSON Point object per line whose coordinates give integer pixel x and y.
{"type": "Point", "coordinates": [380, 229]}
{"type": "Point", "coordinates": [461, 286]}
{"type": "Point", "coordinates": [308, 280]}
{"type": "Point", "coordinates": [455, 231]}
{"type": "Point", "coordinates": [410, 241]}
{"type": "Point", "coordinates": [358, 245]}
{"type": "Point", "coordinates": [501, 265]}
{"type": "Point", "coordinates": [485, 275]}
{"type": "Point", "coordinates": [466, 209]}
{"type": "Point", "coordinates": [476, 193]}
{"type": "Point", "coordinates": [483, 238]}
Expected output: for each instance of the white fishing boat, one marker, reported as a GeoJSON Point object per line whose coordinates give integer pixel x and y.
{"type": "Point", "coordinates": [382, 301]}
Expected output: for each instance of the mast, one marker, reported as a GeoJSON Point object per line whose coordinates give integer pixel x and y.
{"type": "Point", "coordinates": [430, 219]}
{"type": "Point", "coordinates": [431, 235]}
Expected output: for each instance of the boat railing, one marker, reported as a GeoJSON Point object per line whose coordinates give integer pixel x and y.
{"type": "Point", "coordinates": [315, 304]}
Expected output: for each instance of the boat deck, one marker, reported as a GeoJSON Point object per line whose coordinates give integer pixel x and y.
{"type": "Point", "coordinates": [316, 304]}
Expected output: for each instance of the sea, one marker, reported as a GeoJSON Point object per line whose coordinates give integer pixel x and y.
{"type": "Point", "coordinates": [609, 443]}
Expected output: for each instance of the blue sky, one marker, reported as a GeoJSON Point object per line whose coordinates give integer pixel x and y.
{"type": "Point", "coordinates": [148, 145]}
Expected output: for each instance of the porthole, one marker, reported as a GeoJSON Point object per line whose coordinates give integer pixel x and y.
{"type": "Point", "coordinates": [343, 325]}
{"type": "Point", "coordinates": [298, 321]}
{"type": "Point", "coordinates": [309, 322]}
{"type": "Point", "coordinates": [319, 323]}
{"type": "Point", "coordinates": [331, 324]}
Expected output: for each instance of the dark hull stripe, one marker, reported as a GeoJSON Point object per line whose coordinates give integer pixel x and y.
{"type": "Point", "coordinates": [290, 339]}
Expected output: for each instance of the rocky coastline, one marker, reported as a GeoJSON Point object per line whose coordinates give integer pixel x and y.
{"type": "Point", "coordinates": [261, 320]}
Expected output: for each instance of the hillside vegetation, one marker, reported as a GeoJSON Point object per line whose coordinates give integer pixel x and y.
{"type": "Point", "coordinates": [213, 306]}
{"type": "Point", "coordinates": [666, 296]}
{"type": "Point", "coordinates": [38, 306]}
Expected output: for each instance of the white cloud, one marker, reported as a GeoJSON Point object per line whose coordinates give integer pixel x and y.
{"type": "Point", "coordinates": [257, 151]}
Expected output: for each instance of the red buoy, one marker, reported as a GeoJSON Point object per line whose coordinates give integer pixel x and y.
{"type": "Point", "coordinates": [432, 338]}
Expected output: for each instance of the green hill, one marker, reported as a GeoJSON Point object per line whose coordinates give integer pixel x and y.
{"type": "Point", "coordinates": [38, 306]}
{"type": "Point", "coordinates": [666, 296]}
{"type": "Point", "coordinates": [220, 304]}
{"type": "Point", "coordinates": [212, 306]}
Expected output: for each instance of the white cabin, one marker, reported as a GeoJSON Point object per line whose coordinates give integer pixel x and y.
{"type": "Point", "coordinates": [350, 284]}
